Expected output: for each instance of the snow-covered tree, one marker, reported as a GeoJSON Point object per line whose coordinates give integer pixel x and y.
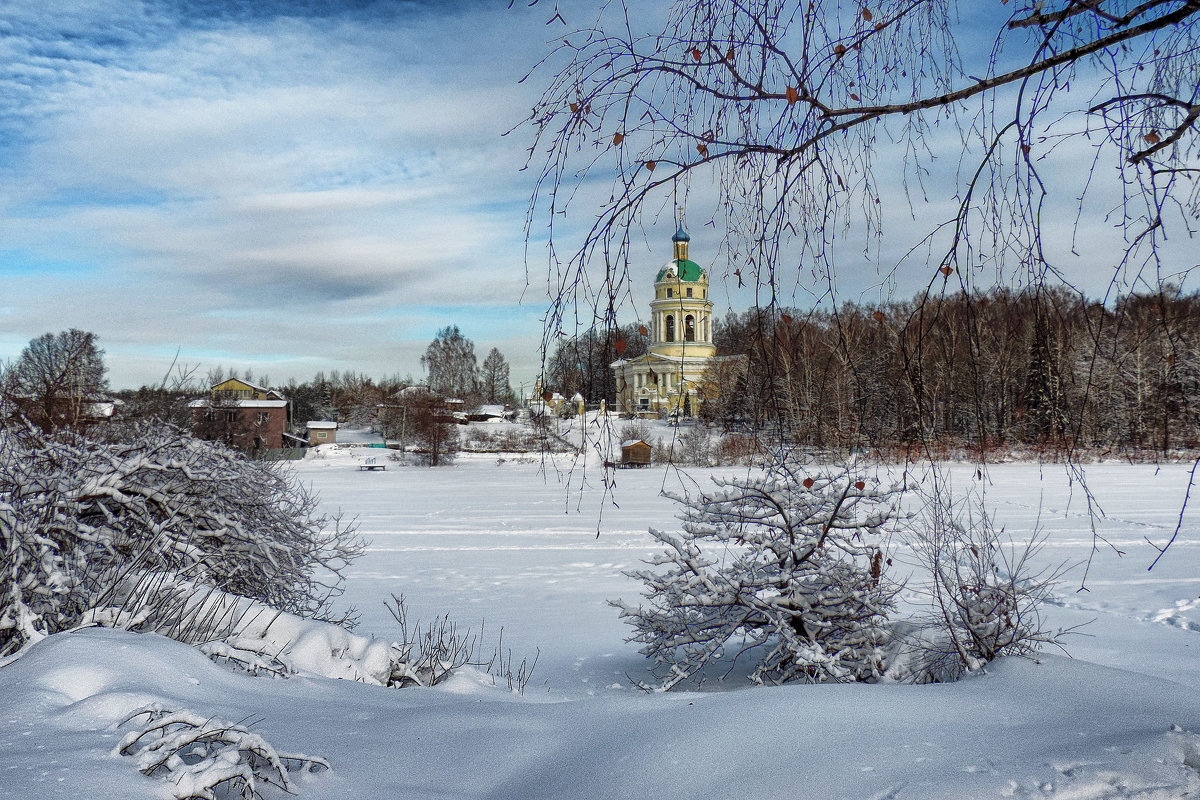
{"type": "Point", "coordinates": [785, 567]}
{"type": "Point", "coordinates": [82, 521]}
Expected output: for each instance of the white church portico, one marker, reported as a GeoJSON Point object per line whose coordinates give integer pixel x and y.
{"type": "Point", "coordinates": [666, 379]}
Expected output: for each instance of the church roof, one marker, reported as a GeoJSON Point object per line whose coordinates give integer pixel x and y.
{"type": "Point", "coordinates": [686, 269]}
{"type": "Point", "coordinates": [681, 235]}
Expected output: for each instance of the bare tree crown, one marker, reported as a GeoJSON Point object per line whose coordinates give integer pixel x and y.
{"type": "Point", "coordinates": [799, 116]}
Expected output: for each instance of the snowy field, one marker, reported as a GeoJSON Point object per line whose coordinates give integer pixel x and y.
{"type": "Point", "coordinates": [537, 550]}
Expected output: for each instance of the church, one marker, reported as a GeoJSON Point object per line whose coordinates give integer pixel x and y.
{"type": "Point", "coordinates": [667, 378]}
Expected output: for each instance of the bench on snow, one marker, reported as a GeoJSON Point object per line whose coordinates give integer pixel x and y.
{"type": "Point", "coordinates": [372, 462]}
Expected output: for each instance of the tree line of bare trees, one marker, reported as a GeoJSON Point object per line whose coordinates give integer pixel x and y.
{"type": "Point", "coordinates": [1042, 368]}
{"type": "Point", "coordinates": [580, 364]}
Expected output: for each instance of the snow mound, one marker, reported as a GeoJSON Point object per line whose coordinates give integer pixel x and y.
{"type": "Point", "coordinates": [316, 649]}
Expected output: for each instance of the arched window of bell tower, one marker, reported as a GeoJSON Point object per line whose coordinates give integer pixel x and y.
{"type": "Point", "coordinates": [689, 328]}
{"type": "Point", "coordinates": [670, 328]}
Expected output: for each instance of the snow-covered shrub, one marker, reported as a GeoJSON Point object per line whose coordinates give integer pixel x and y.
{"type": "Point", "coordinates": [985, 591]}
{"type": "Point", "coordinates": [271, 643]}
{"type": "Point", "coordinates": [695, 446]}
{"type": "Point", "coordinates": [205, 758]}
{"type": "Point", "coordinates": [87, 524]}
{"type": "Point", "coordinates": [253, 661]}
{"type": "Point", "coordinates": [785, 566]}
{"type": "Point", "coordinates": [261, 641]}
{"type": "Point", "coordinates": [252, 638]}
{"type": "Point", "coordinates": [426, 655]}
{"type": "Point", "coordinates": [170, 604]}
{"type": "Point", "coordinates": [634, 430]}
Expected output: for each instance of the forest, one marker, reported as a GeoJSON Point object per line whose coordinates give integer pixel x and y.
{"type": "Point", "coordinates": [1043, 369]}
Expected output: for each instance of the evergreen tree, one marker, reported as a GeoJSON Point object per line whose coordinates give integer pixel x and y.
{"type": "Point", "coordinates": [494, 384]}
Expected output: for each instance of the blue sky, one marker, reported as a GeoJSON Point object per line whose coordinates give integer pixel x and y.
{"type": "Point", "coordinates": [310, 185]}
{"type": "Point", "coordinates": [289, 187]}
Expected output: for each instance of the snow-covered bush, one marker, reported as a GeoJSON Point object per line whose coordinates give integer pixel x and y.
{"type": "Point", "coordinates": [205, 758]}
{"type": "Point", "coordinates": [251, 638]}
{"type": "Point", "coordinates": [786, 567]}
{"type": "Point", "coordinates": [87, 524]}
{"type": "Point", "coordinates": [426, 655]}
{"type": "Point", "coordinates": [985, 591]}
{"type": "Point", "coordinates": [634, 430]}
{"type": "Point", "coordinates": [172, 605]}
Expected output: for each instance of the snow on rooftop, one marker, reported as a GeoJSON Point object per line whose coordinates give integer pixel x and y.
{"type": "Point", "coordinates": [416, 389]}
{"type": "Point", "coordinates": [104, 409]}
{"type": "Point", "coordinates": [493, 409]}
{"type": "Point", "coordinates": [204, 402]}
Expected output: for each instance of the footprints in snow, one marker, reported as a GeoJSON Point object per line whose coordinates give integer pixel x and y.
{"type": "Point", "coordinates": [1174, 617]}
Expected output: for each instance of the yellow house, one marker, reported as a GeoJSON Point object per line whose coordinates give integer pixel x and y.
{"type": "Point", "coordinates": [234, 389]}
{"type": "Point", "coordinates": [666, 378]}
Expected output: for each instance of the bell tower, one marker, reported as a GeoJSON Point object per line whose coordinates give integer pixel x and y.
{"type": "Point", "coordinates": [667, 379]}
{"type": "Point", "coordinates": [681, 313]}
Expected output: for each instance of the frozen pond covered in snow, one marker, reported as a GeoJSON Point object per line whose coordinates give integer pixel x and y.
{"type": "Point", "coordinates": [516, 544]}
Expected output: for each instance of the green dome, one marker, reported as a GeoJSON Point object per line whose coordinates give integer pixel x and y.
{"type": "Point", "coordinates": [687, 270]}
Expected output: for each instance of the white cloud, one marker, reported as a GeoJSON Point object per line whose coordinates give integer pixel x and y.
{"type": "Point", "coordinates": [215, 186]}
{"type": "Point", "coordinates": [295, 193]}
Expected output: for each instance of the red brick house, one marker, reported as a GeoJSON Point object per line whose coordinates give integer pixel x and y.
{"type": "Point", "coordinates": [242, 415]}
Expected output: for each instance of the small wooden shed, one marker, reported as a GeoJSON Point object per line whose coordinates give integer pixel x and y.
{"type": "Point", "coordinates": [635, 453]}
{"type": "Point", "coordinates": [322, 432]}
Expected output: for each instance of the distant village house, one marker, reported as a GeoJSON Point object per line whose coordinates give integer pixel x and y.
{"type": "Point", "coordinates": [243, 416]}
